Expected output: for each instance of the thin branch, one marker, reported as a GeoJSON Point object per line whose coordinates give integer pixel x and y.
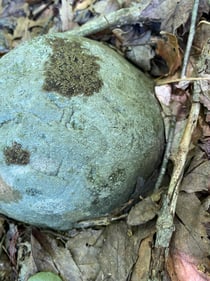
{"type": "Point", "coordinates": [117, 18]}
{"type": "Point", "coordinates": [167, 153]}
{"type": "Point", "coordinates": [190, 38]}
{"type": "Point", "coordinates": [184, 146]}
{"type": "Point", "coordinates": [165, 224]}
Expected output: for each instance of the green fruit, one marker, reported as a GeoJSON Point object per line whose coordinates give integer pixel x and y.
{"type": "Point", "coordinates": [45, 276]}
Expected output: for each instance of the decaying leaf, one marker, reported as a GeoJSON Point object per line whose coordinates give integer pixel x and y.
{"type": "Point", "coordinates": [202, 34]}
{"type": "Point", "coordinates": [6, 272]}
{"type": "Point", "coordinates": [173, 14]}
{"type": "Point", "coordinates": [120, 251]}
{"type": "Point", "coordinates": [49, 256]}
{"type": "Point", "coordinates": [142, 212]}
{"type": "Point", "coordinates": [92, 254]}
{"type": "Point", "coordinates": [142, 266]}
{"type": "Point", "coordinates": [204, 72]}
{"type": "Point", "coordinates": [167, 48]}
{"type": "Point", "coordinates": [11, 242]}
{"type": "Point", "coordinates": [85, 248]}
{"type": "Point", "coordinates": [198, 179]}
{"type": "Point", "coordinates": [190, 245]}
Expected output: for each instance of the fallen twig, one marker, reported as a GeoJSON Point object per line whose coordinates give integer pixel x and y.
{"type": "Point", "coordinates": [190, 79]}
{"type": "Point", "coordinates": [167, 153]}
{"type": "Point", "coordinates": [190, 38]}
{"type": "Point", "coordinates": [165, 225]}
{"type": "Point", "coordinates": [117, 18]}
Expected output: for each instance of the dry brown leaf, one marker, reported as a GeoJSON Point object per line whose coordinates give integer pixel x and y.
{"type": "Point", "coordinates": [167, 48]}
{"type": "Point", "coordinates": [190, 245]}
{"type": "Point", "coordinates": [142, 212]}
{"type": "Point", "coordinates": [202, 35]}
{"type": "Point", "coordinates": [12, 236]}
{"type": "Point", "coordinates": [25, 261]}
{"type": "Point", "coordinates": [180, 103]}
{"type": "Point", "coordinates": [6, 271]}
{"type": "Point", "coordinates": [142, 266]}
{"type": "Point", "coordinates": [42, 252]}
{"type": "Point", "coordinates": [182, 268]}
{"type": "Point", "coordinates": [173, 14]}
{"type": "Point", "coordinates": [85, 248]}
{"type": "Point", "coordinates": [109, 252]}
{"type": "Point", "coordinates": [48, 255]}
{"type": "Point", "coordinates": [198, 179]}
{"type": "Point", "coordinates": [120, 251]}
{"type": "Point", "coordinates": [140, 56]}
{"type": "Point", "coordinates": [204, 126]}
{"type": "Point", "coordinates": [205, 146]}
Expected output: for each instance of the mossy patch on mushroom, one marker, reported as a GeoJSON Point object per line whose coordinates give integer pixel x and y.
{"type": "Point", "coordinates": [16, 155]}
{"type": "Point", "coordinates": [70, 70]}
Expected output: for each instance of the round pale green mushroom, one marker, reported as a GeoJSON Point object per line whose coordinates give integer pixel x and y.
{"type": "Point", "coordinates": [79, 125]}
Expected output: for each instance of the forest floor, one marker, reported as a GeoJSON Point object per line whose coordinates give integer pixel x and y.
{"type": "Point", "coordinates": [163, 236]}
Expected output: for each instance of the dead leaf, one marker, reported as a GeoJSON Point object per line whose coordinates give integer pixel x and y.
{"type": "Point", "coordinates": [180, 103]}
{"type": "Point", "coordinates": [182, 268]}
{"type": "Point", "coordinates": [190, 244]}
{"type": "Point", "coordinates": [6, 272]}
{"type": "Point", "coordinates": [85, 248]}
{"type": "Point", "coordinates": [49, 256]}
{"type": "Point", "coordinates": [140, 56]}
{"type": "Point", "coordinates": [205, 146]}
{"type": "Point", "coordinates": [133, 40]}
{"type": "Point", "coordinates": [120, 250]}
{"type": "Point", "coordinates": [142, 266]}
{"type": "Point", "coordinates": [25, 261]}
{"type": "Point", "coordinates": [142, 212]}
{"type": "Point", "coordinates": [108, 253]}
{"type": "Point", "coordinates": [11, 243]}
{"type": "Point", "coordinates": [198, 179]}
{"type": "Point", "coordinates": [202, 34]}
{"type": "Point", "coordinates": [173, 14]}
{"type": "Point", "coordinates": [167, 48]}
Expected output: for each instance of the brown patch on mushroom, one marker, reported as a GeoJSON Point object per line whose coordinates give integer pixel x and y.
{"type": "Point", "coordinates": [70, 70]}
{"type": "Point", "coordinates": [16, 155]}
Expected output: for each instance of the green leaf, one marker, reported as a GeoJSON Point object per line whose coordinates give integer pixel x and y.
{"type": "Point", "coordinates": [45, 276]}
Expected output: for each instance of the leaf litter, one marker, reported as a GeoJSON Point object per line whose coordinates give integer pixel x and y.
{"type": "Point", "coordinates": [122, 250]}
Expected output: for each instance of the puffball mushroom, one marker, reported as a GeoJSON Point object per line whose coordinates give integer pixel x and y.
{"type": "Point", "coordinates": [78, 125]}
